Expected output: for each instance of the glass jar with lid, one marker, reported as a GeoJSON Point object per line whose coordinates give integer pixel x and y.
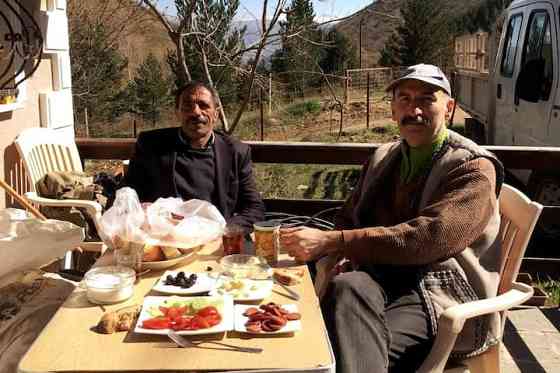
{"type": "Point", "coordinates": [267, 240]}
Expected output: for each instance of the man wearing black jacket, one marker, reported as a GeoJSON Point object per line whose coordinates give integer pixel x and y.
{"type": "Point", "coordinates": [195, 161]}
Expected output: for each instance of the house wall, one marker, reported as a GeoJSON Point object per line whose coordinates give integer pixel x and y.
{"type": "Point", "coordinates": [33, 111]}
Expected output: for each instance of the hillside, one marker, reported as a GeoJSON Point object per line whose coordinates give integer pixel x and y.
{"type": "Point", "coordinates": [379, 24]}
{"type": "Point", "coordinates": [131, 27]}
{"type": "Point", "coordinates": [148, 36]}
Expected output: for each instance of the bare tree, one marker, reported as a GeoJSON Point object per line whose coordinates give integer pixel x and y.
{"type": "Point", "coordinates": [189, 27]}
{"type": "Point", "coordinates": [120, 18]}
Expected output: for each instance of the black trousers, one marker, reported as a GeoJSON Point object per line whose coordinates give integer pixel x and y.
{"type": "Point", "coordinates": [373, 328]}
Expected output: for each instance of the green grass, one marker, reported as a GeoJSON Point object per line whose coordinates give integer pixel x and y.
{"type": "Point", "coordinates": [303, 108]}
{"type": "Point", "coordinates": [377, 134]}
{"type": "Point", "coordinates": [305, 181]}
{"type": "Point", "coordinates": [552, 288]}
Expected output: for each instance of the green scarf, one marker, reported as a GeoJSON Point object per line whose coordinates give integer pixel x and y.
{"type": "Point", "coordinates": [417, 160]}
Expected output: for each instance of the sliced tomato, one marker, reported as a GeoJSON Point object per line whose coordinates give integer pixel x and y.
{"type": "Point", "coordinates": [156, 323]}
{"type": "Point", "coordinates": [214, 319]}
{"type": "Point", "coordinates": [182, 323]}
{"type": "Point", "coordinates": [174, 312]}
{"type": "Point", "coordinates": [207, 311]}
{"type": "Point", "coordinates": [199, 322]}
{"type": "Point", "coordinates": [164, 310]}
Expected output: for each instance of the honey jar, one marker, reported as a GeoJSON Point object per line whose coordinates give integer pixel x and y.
{"type": "Point", "coordinates": [267, 240]}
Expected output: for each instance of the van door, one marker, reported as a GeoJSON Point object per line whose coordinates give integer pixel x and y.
{"type": "Point", "coordinates": [504, 77]}
{"type": "Point", "coordinates": [531, 122]}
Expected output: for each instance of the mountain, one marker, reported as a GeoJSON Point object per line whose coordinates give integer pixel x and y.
{"type": "Point", "coordinates": [380, 19]}
{"type": "Point", "coordinates": [253, 34]}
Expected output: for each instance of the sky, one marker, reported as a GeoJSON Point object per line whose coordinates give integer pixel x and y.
{"type": "Point", "coordinates": [324, 9]}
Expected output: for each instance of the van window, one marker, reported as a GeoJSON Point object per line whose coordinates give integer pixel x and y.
{"type": "Point", "coordinates": [510, 45]}
{"type": "Point", "coordinates": [538, 48]}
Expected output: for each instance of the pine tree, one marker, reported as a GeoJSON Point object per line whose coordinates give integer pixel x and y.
{"type": "Point", "coordinates": [340, 56]}
{"type": "Point", "coordinates": [424, 36]}
{"type": "Point", "coordinates": [97, 70]}
{"type": "Point", "coordinates": [215, 17]}
{"type": "Point", "coordinates": [481, 17]}
{"type": "Point", "coordinates": [299, 56]}
{"type": "Point", "coordinates": [148, 91]}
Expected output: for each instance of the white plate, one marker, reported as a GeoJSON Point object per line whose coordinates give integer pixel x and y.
{"type": "Point", "coordinates": [203, 284]}
{"type": "Point", "coordinates": [252, 290]}
{"type": "Point", "coordinates": [164, 264]}
{"type": "Point", "coordinates": [223, 304]}
{"type": "Point", "coordinates": [240, 320]}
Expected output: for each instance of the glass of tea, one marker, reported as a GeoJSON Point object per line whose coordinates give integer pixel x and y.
{"type": "Point", "coordinates": [233, 239]}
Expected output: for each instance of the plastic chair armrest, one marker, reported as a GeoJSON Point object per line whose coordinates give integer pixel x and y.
{"type": "Point", "coordinates": [453, 319]}
{"type": "Point", "coordinates": [92, 207]}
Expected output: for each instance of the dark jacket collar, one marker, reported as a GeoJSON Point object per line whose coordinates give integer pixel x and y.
{"type": "Point", "coordinates": [186, 144]}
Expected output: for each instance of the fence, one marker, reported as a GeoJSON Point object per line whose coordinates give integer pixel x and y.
{"type": "Point", "coordinates": [471, 52]}
{"type": "Point", "coordinates": [379, 78]}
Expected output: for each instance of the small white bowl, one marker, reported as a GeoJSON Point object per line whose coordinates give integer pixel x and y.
{"type": "Point", "coordinates": [110, 284]}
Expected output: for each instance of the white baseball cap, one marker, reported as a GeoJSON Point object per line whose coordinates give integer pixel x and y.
{"type": "Point", "coordinates": [426, 73]}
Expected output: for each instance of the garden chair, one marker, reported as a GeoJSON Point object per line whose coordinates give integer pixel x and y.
{"type": "Point", "coordinates": [44, 150]}
{"type": "Point", "coordinates": [519, 216]}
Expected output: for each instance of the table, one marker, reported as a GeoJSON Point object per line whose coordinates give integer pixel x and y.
{"type": "Point", "coordinates": [68, 343]}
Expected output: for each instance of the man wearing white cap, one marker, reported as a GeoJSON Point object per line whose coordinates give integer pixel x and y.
{"type": "Point", "coordinates": [421, 232]}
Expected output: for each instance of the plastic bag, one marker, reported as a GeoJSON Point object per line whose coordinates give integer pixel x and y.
{"type": "Point", "coordinates": [29, 243]}
{"type": "Point", "coordinates": [123, 221]}
{"type": "Point", "coordinates": [202, 223]}
{"type": "Point", "coordinates": [175, 222]}
{"type": "Point", "coordinates": [166, 222]}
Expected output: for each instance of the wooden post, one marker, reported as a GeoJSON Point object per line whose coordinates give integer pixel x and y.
{"type": "Point", "coordinates": [262, 113]}
{"type": "Point", "coordinates": [330, 120]}
{"type": "Point", "coordinates": [269, 93]}
{"type": "Point", "coordinates": [134, 128]}
{"type": "Point", "coordinates": [346, 82]}
{"type": "Point", "coordinates": [360, 40]}
{"type": "Point", "coordinates": [367, 102]}
{"type": "Point", "coordinates": [360, 45]}
{"type": "Point", "coordinates": [86, 121]}
{"type": "Point", "coordinates": [153, 112]}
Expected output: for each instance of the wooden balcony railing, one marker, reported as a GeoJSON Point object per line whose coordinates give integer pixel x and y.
{"type": "Point", "coordinates": [530, 158]}
{"type": "Point", "coordinates": [513, 157]}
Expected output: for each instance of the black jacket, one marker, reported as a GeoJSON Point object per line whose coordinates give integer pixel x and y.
{"type": "Point", "coordinates": [151, 174]}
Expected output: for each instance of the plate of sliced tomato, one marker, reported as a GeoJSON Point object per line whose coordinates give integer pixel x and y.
{"type": "Point", "coordinates": [185, 315]}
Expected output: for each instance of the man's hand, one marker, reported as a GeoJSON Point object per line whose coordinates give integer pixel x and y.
{"type": "Point", "coordinates": [306, 244]}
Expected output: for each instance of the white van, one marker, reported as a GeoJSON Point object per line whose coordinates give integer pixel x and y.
{"type": "Point", "coordinates": [518, 101]}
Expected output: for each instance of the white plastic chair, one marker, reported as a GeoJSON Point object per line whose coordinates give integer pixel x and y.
{"type": "Point", "coordinates": [44, 150]}
{"type": "Point", "coordinates": [519, 215]}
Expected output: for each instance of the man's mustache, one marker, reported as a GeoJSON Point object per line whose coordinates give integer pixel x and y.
{"type": "Point", "coordinates": [414, 121]}
{"type": "Point", "coordinates": [198, 119]}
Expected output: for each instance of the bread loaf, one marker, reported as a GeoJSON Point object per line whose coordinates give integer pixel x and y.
{"type": "Point", "coordinates": [170, 252]}
{"type": "Point", "coordinates": [288, 277]}
{"type": "Point", "coordinates": [152, 253]}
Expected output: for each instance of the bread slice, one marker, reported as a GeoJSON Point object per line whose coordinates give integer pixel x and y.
{"type": "Point", "coordinates": [152, 253]}
{"type": "Point", "coordinates": [170, 252]}
{"type": "Point", "coordinates": [288, 277]}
